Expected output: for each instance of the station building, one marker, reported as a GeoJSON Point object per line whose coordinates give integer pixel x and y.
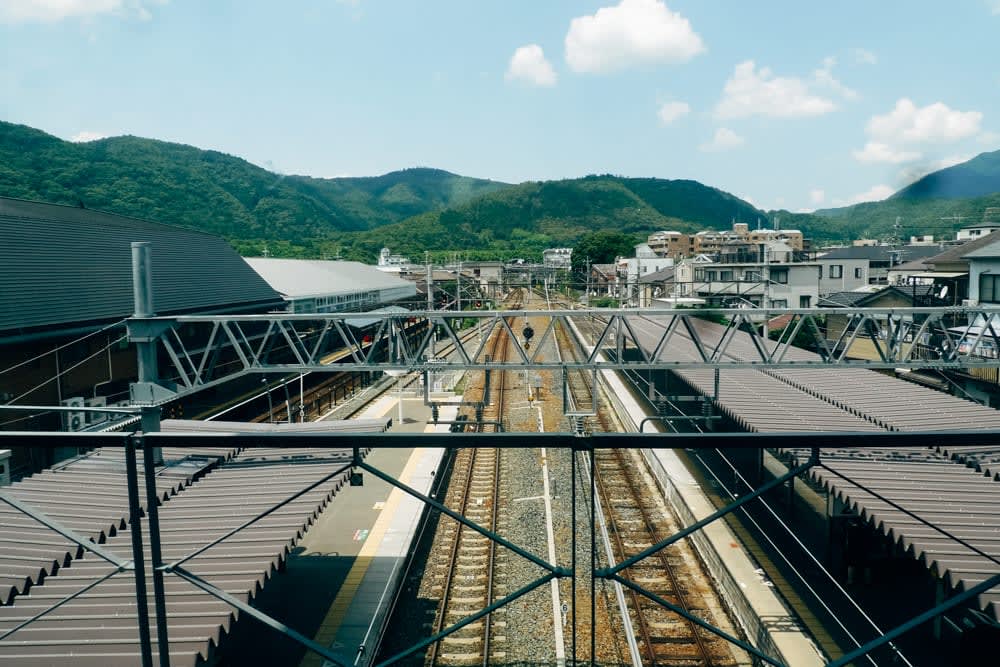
{"type": "Point", "coordinates": [324, 286]}
{"type": "Point", "coordinates": [66, 277]}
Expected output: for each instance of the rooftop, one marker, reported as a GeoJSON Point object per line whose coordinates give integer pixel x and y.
{"type": "Point", "coordinates": [301, 278]}
{"type": "Point", "coordinates": [881, 252]}
{"type": "Point", "coordinates": [68, 266]}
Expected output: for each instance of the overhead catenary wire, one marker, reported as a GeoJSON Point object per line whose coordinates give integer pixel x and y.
{"type": "Point", "coordinates": [67, 370]}
{"type": "Point", "coordinates": [806, 551]}
{"type": "Point", "coordinates": [63, 346]}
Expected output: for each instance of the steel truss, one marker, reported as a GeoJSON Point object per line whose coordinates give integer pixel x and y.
{"type": "Point", "coordinates": [358, 443]}
{"type": "Point", "coordinates": [939, 338]}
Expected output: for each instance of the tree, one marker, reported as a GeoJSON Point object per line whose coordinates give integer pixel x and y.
{"type": "Point", "coordinates": [601, 247]}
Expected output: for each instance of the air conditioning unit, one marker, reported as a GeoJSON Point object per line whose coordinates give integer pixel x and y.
{"type": "Point", "coordinates": [969, 303]}
{"type": "Point", "coordinates": [96, 417]}
{"type": "Point", "coordinates": [74, 421]}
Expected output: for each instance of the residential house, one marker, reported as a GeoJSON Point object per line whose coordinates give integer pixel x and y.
{"type": "Point", "coordinates": [840, 329]}
{"type": "Point", "coordinates": [861, 265]}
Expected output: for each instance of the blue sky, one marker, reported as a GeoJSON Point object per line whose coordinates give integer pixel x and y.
{"type": "Point", "coordinates": [793, 105]}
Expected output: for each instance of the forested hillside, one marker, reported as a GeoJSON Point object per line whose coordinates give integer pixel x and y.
{"type": "Point", "coordinates": [213, 191]}
{"type": "Point", "coordinates": [428, 210]}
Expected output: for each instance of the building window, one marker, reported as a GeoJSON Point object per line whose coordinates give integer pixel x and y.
{"type": "Point", "coordinates": [779, 276]}
{"type": "Point", "coordinates": [779, 303]}
{"type": "Point", "coordinates": [836, 270]}
{"type": "Point", "coordinates": [805, 301]}
{"type": "Point", "coordinates": [859, 272]}
{"type": "Point", "coordinates": [989, 288]}
{"type": "Point", "coordinates": [820, 267]}
{"type": "Point", "coordinates": [725, 275]}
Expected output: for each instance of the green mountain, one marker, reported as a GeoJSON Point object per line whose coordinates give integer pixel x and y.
{"type": "Point", "coordinates": [978, 177]}
{"type": "Point", "coordinates": [213, 191]}
{"type": "Point", "coordinates": [410, 211]}
{"type": "Point", "coordinates": [524, 219]}
{"type": "Point", "coordinates": [938, 204]}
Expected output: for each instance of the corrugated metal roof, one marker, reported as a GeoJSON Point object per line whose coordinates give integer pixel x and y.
{"type": "Point", "coordinates": [100, 627]}
{"type": "Point", "coordinates": [300, 278]}
{"type": "Point", "coordinates": [62, 265]}
{"type": "Point", "coordinates": [945, 487]}
{"type": "Point", "coordinates": [30, 552]}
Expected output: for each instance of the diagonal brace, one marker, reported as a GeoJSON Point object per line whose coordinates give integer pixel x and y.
{"type": "Point", "coordinates": [171, 566]}
{"type": "Point", "coordinates": [272, 623]}
{"type": "Point", "coordinates": [916, 621]}
{"type": "Point", "coordinates": [555, 570]}
{"type": "Point", "coordinates": [424, 643]}
{"type": "Point", "coordinates": [69, 534]}
{"type": "Point", "coordinates": [694, 619]}
{"type": "Point", "coordinates": [698, 525]}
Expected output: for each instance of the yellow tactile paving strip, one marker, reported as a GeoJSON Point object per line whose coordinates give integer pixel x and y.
{"type": "Point", "coordinates": [327, 631]}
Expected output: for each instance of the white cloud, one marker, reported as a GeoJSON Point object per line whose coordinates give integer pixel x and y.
{"type": "Point", "coordinates": [528, 64]}
{"type": "Point", "coordinates": [85, 136]}
{"type": "Point", "coordinates": [671, 111]}
{"type": "Point", "coordinates": [750, 91]}
{"type": "Point", "coordinates": [864, 57]}
{"type": "Point", "coordinates": [894, 137]}
{"type": "Point", "coordinates": [915, 172]}
{"type": "Point", "coordinates": [995, 7]}
{"type": "Point", "coordinates": [817, 196]}
{"type": "Point", "coordinates": [633, 32]}
{"type": "Point", "coordinates": [51, 11]}
{"type": "Point", "coordinates": [937, 122]}
{"type": "Point", "coordinates": [824, 78]}
{"type": "Point", "coordinates": [876, 151]}
{"type": "Point", "coordinates": [723, 140]}
{"type": "Point", "coordinates": [877, 193]}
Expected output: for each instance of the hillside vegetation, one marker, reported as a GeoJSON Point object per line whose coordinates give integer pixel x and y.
{"type": "Point", "coordinates": [218, 193]}
{"type": "Point", "coordinates": [524, 219]}
{"type": "Point", "coordinates": [428, 210]}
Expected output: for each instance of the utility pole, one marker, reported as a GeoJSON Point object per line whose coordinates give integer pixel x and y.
{"type": "Point", "coordinates": [767, 284]}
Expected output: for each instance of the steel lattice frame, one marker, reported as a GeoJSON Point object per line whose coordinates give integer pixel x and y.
{"type": "Point", "coordinates": [911, 338]}
{"type": "Point", "coordinates": [132, 443]}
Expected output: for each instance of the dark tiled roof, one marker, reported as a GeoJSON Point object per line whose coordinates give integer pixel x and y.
{"type": "Point", "coordinates": [61, 265]}
{"type": "Point", "coordinates": [957, 253]}
{"type": "Point", "coordinates": [607, 270]}
{"type": "Point", "coordinates": [880, 253]}
{"type": "Point", "coordinates": [657, 276]}
{"type": "Point", "coordinates": [842, 298]}
{"type": "Point", "coordinates": [988, 250]}
{"type": "Point", "coordinates": [848, 299]}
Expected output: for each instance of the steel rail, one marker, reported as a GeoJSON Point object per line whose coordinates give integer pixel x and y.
{"type": "Point", "coordinates": [441, 616]}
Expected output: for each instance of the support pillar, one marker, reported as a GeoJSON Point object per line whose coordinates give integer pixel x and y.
{"type": "Point", "coordinates": [142, 293]}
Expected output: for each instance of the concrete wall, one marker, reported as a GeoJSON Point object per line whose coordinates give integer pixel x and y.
{"type": "Point", "coordinates": [854, 273]}
{"type": "Point", "coordinates": [978, 267]}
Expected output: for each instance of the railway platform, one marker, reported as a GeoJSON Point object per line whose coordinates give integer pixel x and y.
{"type": "Point", "coordinates": [373, 527]}
{"type": "Point", "coordinates": [751, 598]}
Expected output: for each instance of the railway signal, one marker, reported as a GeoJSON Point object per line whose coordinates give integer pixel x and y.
{"type": "Point", "coordinates": [528, 334]}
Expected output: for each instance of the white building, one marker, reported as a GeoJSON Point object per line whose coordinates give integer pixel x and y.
{"type": "Point", "coordinates": [321, 286]}
{"type": "Point", "coordinates": [557, 258]}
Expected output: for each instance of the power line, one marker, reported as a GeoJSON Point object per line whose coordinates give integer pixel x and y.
{"type": "Point", "coordinates": [63, 346]}
{"type": "Point", "coordinates": [67, 370]}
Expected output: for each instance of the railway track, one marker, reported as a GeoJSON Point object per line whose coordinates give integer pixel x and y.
{"type": "Point", "coordinates": [661, 636]}
{"type": "Point", "coordinates": [466, 577]}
